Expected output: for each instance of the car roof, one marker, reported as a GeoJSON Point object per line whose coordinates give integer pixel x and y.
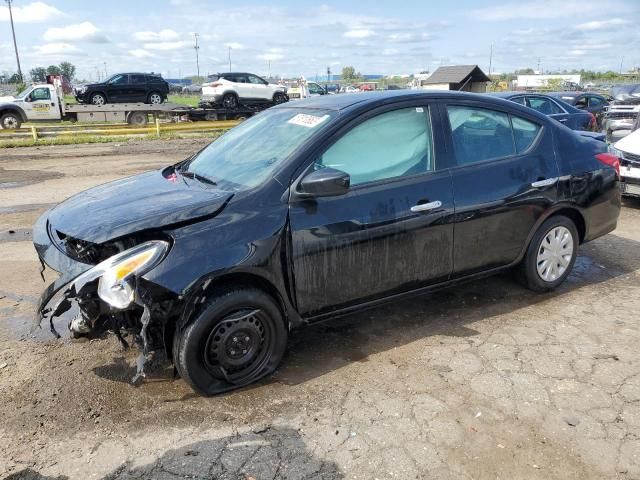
{"type": "Point", "coordinates": [345, 101]}
{"type": "Point", "coordinates": [507, 95]}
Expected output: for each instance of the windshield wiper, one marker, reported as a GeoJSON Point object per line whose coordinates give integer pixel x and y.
{"type": "Point", "coordinates": [197, 176]}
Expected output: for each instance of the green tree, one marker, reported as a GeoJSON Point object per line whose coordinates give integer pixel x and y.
{"type": "Point", "coordinates": [15, 78]}
{"type": "Point", "coordinates": [68, 70]}
{"type": "Point", "coordinates": [38, 74]}
{"type": "Point", "coordinates": [348, 73]}
{"type": "Point", "coordinates": [525, 71]}
{"type": "Point", "coordinates": [53, 70]}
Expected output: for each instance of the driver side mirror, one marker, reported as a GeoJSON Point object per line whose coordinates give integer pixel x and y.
{"type": "Point", "coordinates": [28, 98]}
{"type": "Point", "coordinates": [326, 182]}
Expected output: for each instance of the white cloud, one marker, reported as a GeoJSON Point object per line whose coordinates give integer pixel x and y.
{"type": "Point", "coordinates": [578, 52]}
{"type": "Point", "coordinates": [602, 24]}
{"type": "Point", "coordinates": [85, 31]}
{"type": "Point", "coordinates": [58, 49]}
{"type": "Point", "coordinates": [35, 12]}
{"type": "Point", "coordinates": [166, 35]}
{"type": "Point", "coordinates": [359, 33]}
{"type": "Point", "coordinates": [540, 9]}
{"type": "Point", "coordinates": [166, 46]}
{"type": "Point", "coordinates": [271, 56]}
{"type": "Point", "coordinates": [235, 46]}
{"type": "Point", "coordinates": [141, 53]}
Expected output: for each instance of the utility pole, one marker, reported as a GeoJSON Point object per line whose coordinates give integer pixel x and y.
{"type": "Point", "coordinates": [15, 44]}
{"type": "Point", "coordinates": [229, 57]}
{"type": "Point", "coordinates": [490, 59]}
{"type": "Point", "coordinates": [539, 72]}
{"type": "Point", "coordinates": [328, 74]}
{"type": "Point", "coordinates": [621, 61]}
{"type": "Point", "coordinates": [105, 70]}
{"type": "Point", "coordinates": [197, 47]}
{"type": "Point", "coordinates": [268, 69]}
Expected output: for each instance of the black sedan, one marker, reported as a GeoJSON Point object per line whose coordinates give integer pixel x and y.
{"type": "Point", "coordinates": [586, 101]}
{"type": "Point", "coordinates": [571, 116]}
{"type": "Point", "coordinates": [320, 208]}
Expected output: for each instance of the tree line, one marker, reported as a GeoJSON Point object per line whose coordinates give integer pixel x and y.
{"type": "Point", "coordinates": [39, 74]}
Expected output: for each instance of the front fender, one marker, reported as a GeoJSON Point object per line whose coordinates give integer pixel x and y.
{"type": "Point", "coordinates": [13, 108]}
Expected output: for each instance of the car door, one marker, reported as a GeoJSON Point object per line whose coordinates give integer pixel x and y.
{"type": "Point", "coordinates": [505, 176]}
{"type": "Point", "coordinates": [39, 105]}
{"type": "Point", "coordinates": [258, 87]}
{"type": "Point", "coordinates": [243, 87]}
{"type": "Point", "coordinates": [392, 231]}
{"type": "Point", "coordinates": [138, 88]}
{"type": "Point", "coordinates": [117, 88]}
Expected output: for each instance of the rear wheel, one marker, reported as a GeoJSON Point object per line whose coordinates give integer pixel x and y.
{"type": "Point", "coordinates": [138, 118]}
{"type": "Point", "coordinates": [10, 121]}
{"type": "Point", "coordinates": [230, 100]}
{"type": "Point", "coordinates": [550, 256]}
{"type": "Point", "coordinates": [237, 338]}
{"type": "Point", "coordinates": [98, 99]}
{"type": "Point", "coordinates": [155, 98]}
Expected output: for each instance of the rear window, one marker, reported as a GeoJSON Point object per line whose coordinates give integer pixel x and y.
{"type": "Point", "coordinates": [524, 133]}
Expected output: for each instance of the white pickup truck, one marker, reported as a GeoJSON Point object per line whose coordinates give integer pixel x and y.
{"type": "Point", "coordinates": [45, 102]}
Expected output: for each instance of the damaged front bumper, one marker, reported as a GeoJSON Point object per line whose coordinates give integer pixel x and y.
{"type": "Point", "coordinates": [105, 301]}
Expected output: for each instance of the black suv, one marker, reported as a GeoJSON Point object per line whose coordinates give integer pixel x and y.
{"type": "Point", "coordinates": [124, 87]}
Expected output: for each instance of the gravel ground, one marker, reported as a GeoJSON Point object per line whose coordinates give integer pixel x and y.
{"type": "Point", "coordinates": [482, 381]}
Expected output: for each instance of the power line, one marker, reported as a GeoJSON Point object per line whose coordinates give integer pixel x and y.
{"type": "Point", "coordinates": [15, 44]}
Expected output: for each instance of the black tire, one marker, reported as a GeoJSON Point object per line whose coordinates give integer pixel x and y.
{"type": "Point", "coordinates": [98, 99]}
{"type": "Point", "coordinates": [237, 338]}
{"type": "Point", "coordinates": [278, 98]}
{"type": "Point", "coordinates": [230, 100]}
{"type": "Point", "coordinates": [155, 98]}
{"type": "Point", "coordinates": [528, 273]}
{"type": "Point", "coordinates": [10, 121]}
{"type": "Point", "coordinates": [138, 118]}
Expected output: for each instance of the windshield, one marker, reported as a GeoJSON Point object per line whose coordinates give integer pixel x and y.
{"type": "Point", "coordinates": [21, 96]}
{"type": "Point", "coordinates": [248, 154]}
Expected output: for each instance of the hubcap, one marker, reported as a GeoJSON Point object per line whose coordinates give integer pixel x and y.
{"type": "Point", "coordinates": [555, 254]}
{"type": "Point", "coordinates": [155, 98]}
{"type": "Point", "coordinates": [98, 100]}
{"type": "Point", "coordinates": [239, 346]}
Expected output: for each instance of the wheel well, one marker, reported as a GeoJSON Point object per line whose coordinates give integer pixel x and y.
{"type": "Point", "coordinates": [15, 112]}
{"type": "Point", "coordinates": [101, 93]}
{"type": "Point", "coordinates": [577, 219]}
{"type": "Point", "coordinates": [230, 92]}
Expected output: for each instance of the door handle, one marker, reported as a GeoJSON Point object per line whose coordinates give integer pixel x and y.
{"type": "Point", "coordinates": [544, 183]}
{"type": "Point", "coordinates": [425, 207]}
{"type": "Point", "coordinates": [563, 120]}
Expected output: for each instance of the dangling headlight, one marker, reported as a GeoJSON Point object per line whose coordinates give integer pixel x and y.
{"type": "Point", "coordinates": [117, 273]}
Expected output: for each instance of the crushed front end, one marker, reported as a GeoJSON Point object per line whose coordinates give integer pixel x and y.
{"type": "Point", "coordinates": [106, 283]}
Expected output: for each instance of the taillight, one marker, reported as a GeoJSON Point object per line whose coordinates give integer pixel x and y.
{"type": "Point", "coordinates": [611, 160]}
{"type": "Point", "coordinates": [215, 85]}
{"type": "Point", "coordinates": [593, 122]}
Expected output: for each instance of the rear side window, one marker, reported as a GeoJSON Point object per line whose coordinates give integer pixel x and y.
{"type": "Point", "coordinates": [480, 134]}
{"type": "Point", "coordinates": [524, 133]}
{"type": "Point", "coordinates": [595, 101]}
{"type": "Point", "coordinates": [390, 145]}
{"type": "Point", "coordinates": [519, 100]}
{"type": "Point", "coordinates": [138, 79]}
{"type": "Point", "coordinates": [544, 106]}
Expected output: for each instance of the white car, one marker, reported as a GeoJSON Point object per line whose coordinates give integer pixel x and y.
{"type": "Point", "coordinates": [232, 89]}
{"type": "Point", "coordinates": [628, 151]}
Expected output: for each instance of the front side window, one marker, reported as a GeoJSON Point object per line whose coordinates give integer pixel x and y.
{"type": "Point", "coordinates": [256, 80]}
{"type": "Point", "coordinates": [544, 106]}
{"type": "Point", "coordinates": [118, 79]}
{"type": "Point", "coordinates": [595, 101]}
{"type": "Point", "coordinates": [389, 145]}
{"type": "Point", "coordinates": [581, 103]}
{"type": "Point", "coordinates": [519, 100]}
{"type": "Point", "coordinates": [480, 134]}
{"type": "Point", "coordinates": [40, 94]}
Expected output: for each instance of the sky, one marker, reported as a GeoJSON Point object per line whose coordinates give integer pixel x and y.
{"type": "Point", "coordinates": [293, 38]}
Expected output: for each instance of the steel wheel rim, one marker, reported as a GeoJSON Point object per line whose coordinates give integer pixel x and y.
{"type": "Point", "coordinates": [239, 346]}
{"type": "Point", "coordinates": [229, 102]}
{"type": "Point", "coordinates": [555, 254]}
{"type": "Point", "coordinates": [98, 100]}
{"type": "Point", "coordinates": [155, 99]}
{"type": "Point", "coordinates": [10, 123]}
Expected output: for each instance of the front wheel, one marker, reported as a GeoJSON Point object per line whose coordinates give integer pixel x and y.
{"type": "Point", "coordinates": [10, 121]}
{"type": "Point", "coordinates": [155, 98]}
{"type": "Point", "coordinates": [278, 98]}
{"type": "Point", "coordinates": [550, 256]}
{"type": "Point", "coordinates": [98, 99]}
{"type": "Point", "coordinates": [236, 339]}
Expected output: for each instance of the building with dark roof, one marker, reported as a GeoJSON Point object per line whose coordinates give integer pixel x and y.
{"type": "Point", "coordinates": [466, 78]}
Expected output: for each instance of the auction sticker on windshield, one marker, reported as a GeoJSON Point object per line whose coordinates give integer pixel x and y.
{"type": "Point", "coordinates": [309, 121]}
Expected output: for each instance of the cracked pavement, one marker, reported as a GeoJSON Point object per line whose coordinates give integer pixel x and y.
{"type": "Point", "coordinates": [484, 381]}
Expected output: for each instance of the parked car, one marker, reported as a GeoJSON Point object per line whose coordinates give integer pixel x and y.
{"type": "Point", "coordinates": [319, 208]}
{"type": "Point", "coordinates": [589, 102]}
{"type": "Point", "coordinates": [623, 111]}
{"type": "Point", "coordinates": [124, 87]}
{"type": "Point", "coordinates": [235, 88]}
{"type": "Point", "coordinates": [175, 88]}
{"type": "Point", "coordinates": [628, 150]}
{"type": "Point", "coordinates": [572, 117]}
{"type": "Point", "coordinates": [350, 89]}
{"type": "Point", "coordinates": [192, 89]}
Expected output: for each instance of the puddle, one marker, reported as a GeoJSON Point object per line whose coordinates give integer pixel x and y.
{"type": "Point", "coordinates": [20, 178]}
{"type": "Point", "coordinates": [16, 235]}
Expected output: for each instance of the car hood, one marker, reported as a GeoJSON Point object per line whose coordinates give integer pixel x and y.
{"type": "Point", "coordinates": [630, 143]}
{"type": "Point", "coordinates": [7, 99]}
{"type": "Point", "coordinates": [142, 202]}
